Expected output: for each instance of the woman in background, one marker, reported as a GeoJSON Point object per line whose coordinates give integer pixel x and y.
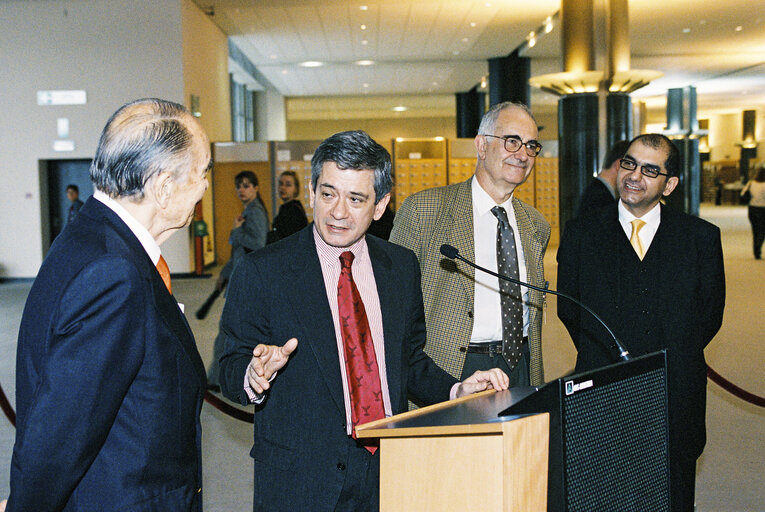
{"type": "Point", "coordinates": [247, 235]}
{"type": "Point", "coordinates": [291, 217]}
{"type": "Point", "coordinates": [756, 188]}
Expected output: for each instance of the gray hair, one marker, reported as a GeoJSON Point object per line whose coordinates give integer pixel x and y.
{"type": "Point", "coordinates": [489, 119]}
{"type": "Point", "coordinates": [358, 151]}
{"type": "Point", "coordinates": [141, 139]}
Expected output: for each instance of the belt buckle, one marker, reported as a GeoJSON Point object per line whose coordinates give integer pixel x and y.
{"type": "Point", "coordinates": [495, 350]}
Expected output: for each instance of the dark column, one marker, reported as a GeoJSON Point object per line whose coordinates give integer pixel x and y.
{"type": "Point", "coordinates": [470, 109]}
{"type": "Point", "coordinates": [618, 118]}
{"type": "Point", "coordinates": [577, 148]}
{"type": "Point", "coordinates": [681, 123]}
{"type": "Point", "coordinates": [509, 79]}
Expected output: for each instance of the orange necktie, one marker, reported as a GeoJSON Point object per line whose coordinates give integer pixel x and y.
{"type": "Point", "coordinates": [164, 272]}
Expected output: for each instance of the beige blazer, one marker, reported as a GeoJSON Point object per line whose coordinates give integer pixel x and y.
{"type": "Point", "coordinates": [444, 215]}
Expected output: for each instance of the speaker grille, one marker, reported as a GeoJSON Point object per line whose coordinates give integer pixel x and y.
{"type": "Point", "coordinates": [616, 446]}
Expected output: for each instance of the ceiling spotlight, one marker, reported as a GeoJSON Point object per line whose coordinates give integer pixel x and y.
{"type": "Point", "coordinates": [363, 27]}
{"type": "Point", "coordinates": [464, 39]}
{"type": "Point", "coordinates": [400, 108]}
{"type": "Point", "coordinates": [364, 42]}
{"type": "Point", "coordinates": [273, 57]}
{"type": "Point", "coordinates": [364, 62]}
{"type": "Point", "coordinates": [366, 85]}
{"type": "Point", "coordinates": [363, 8]}
{"type": "Point", "coordinates": [686, 30]}
{"type": "Point", "coordinates": [311, 64]}
{"type": "Point", "coordinates": [473, 23]}
{"type": "Point", "coordinates": [739, 28]}
{"type": "Point", "coordinates": [284, 71]}
{"type": "Point", "coordinates": [484, 82]}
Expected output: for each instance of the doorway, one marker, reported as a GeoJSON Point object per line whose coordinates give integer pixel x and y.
{"type": "Point", "coordinates": [59, 174]}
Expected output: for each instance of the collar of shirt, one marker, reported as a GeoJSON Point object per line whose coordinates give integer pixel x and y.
{"type": "Point", "coordinates": [140, 232]}
{"type": "Point", "coordinates": [487, 307]}
{"type": "Point", "coordinates": [652, 220]}
{"type": "Point", "coordinates": [363, 277]}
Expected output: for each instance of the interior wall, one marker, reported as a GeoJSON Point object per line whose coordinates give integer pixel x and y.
{"type": "Point", "coordinates": [205, 74]}
{"type": "Point", "coordinates": [114, 50]}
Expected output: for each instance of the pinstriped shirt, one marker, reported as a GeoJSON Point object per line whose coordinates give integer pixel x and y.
{"type": "Point", "coordinates": [363, 276]}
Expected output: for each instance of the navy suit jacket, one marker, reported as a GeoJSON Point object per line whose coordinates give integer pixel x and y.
{"type": "Point", "coordinates": [109, 382]}
{"type": "Point", "coordinates": [687, 280]}
{"type": "Point", "coordinates": [301, 446]}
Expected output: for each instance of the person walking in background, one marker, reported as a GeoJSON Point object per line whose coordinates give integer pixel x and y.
{"type": "Point", "coordinates": [73, 194]}
{"type": "Point", "coordinates": [291, 217]}
{"type": "Point", "coordinates": [248, 234]}
{"type": "Point", "coordinates": [756, 189]}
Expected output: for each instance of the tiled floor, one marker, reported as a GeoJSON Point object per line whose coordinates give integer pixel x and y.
{"type": "Point", "coordinates": [731, 473]}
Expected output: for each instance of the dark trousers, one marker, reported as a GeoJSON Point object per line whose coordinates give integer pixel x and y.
{"type": "Point", "coordinates": [682, 486]}
{"type": "Point", "coordinates": [757, 219]}
{"type": "Point", "coordinates": [519, 376]}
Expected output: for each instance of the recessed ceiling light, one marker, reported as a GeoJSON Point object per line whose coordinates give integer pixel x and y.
{"type": "Point", "coordinates": [473, 23]}
{"type": "Point", "coordinates": [311, 64]}
{"type": "Point", "coordinates": [686, 30]}
{"type": "Point", "coordinates": [702, 22]}
{"type": "Point", "coordinates": [435, 84]}
{"type": "Point", "coordinates": [464, 39]}
{"type": "Point", "coordinates": [284, 71]}
{"type": "Point", "coordinates": [273, 57]}
{"type": "Point", "coordinates": [366, 85]}
{"type": "Point", "coordinates": [364, 42]}
{"type": "Point", "coordinates": [364, 62]}
{"type": "Point", "coordinates": [739, 28]}
{"type": "Point", "coordinates": [363, 8]}
{"type": "Point", "coordinates": [400, 108]}
{"type": "Point", "coordinates": [363, 27]}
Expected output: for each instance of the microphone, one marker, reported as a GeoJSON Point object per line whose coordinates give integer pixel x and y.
{"type": "Point", "coordinates": [452, 253]}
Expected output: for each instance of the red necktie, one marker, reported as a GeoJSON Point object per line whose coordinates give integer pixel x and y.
{"type": "Point", "coordinates": [164, 272]}
{"type": "Point", "coordinates": [360, 359]}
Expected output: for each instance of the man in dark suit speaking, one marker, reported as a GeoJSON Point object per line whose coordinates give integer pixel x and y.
{"type": "Point", "coordinates": [109, 382]}
{"type": "Point", "coordinates": [656, 278]}
{"type": "Point", "coordinates": [355, 305]}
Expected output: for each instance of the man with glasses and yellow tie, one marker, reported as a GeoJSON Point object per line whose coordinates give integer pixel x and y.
{"type": "Point", "coordinates": [475, 321]}
{"type": "Point", "coordinates": [656, 277]}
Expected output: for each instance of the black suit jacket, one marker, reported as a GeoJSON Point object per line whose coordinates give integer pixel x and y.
{"type": "Point", "coordinates": [300, 429]}
{"type": "Point", "coordinates": [595, 196]}
{"type": "Point", "coordinates": [688, 282]}
{"type": "Point", "coordinates": [109, 382]}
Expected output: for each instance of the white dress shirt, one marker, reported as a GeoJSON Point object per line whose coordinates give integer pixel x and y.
{"type": "Point", "coordinates": [487, 307]}
{"type": "Point", "coordinates": [652, 220]}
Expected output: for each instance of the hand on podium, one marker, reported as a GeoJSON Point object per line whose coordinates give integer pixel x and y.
{"type": "Point", "coordinates": [483, 380]}
{"type": "Point", "coordinates": [266, 360]}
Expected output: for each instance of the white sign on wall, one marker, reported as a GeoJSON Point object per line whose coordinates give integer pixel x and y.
{"type": "Point", "coordinates": [61, 98]}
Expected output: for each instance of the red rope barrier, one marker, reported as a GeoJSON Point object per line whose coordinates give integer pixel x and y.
{"type": "Point", "coordinates": [228, 409]}
{"type": "Point", "coordinates": [733, 389]}
{"type": "Point", "coordinates": [5, 405]}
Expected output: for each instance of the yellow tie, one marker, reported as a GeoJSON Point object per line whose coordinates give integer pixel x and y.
{"type": "Point", "coordinates": [635, 239]}
{"type": "Point", "coordinates": [164, 272]}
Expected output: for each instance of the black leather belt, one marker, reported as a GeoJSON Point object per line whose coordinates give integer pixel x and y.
{"type": "Point", "coordinates": [493, 348]}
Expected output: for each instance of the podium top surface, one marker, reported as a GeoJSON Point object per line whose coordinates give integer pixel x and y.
{"type": "Point", "coordinates": [471, 414]}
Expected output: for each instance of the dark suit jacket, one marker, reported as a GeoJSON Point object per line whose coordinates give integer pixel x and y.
{"type": "Point", "coordinates": [301, 446]}
{"type": "Point", "coordinates": [596, 195]}
{"type": "Point", "coordinates": [109, 382]}
{"type": "Point", "coordinates": [685, 265]}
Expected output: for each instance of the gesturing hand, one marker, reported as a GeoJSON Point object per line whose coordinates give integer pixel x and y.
{"type": "Point", "coordinates": [266, 360]}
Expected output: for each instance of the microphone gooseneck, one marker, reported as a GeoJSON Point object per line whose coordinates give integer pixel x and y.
{"type": "Point", "coordinates": [451, 252]}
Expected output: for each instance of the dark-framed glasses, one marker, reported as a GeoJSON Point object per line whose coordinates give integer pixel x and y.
{"type": "Point", "coordinates": [513, 143]}
{"type": "Point", "coordinates": [652, 171]}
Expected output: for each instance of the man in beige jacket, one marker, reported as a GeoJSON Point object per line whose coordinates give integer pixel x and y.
{"type": "Point", "coordinates": [464, 308]}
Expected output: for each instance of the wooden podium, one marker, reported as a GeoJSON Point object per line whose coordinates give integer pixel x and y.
{"type": "Point", "coordinates": [460, 456]}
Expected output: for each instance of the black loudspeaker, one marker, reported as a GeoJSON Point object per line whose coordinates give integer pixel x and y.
{"type": "Point", "coordinates": [609, 437]}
